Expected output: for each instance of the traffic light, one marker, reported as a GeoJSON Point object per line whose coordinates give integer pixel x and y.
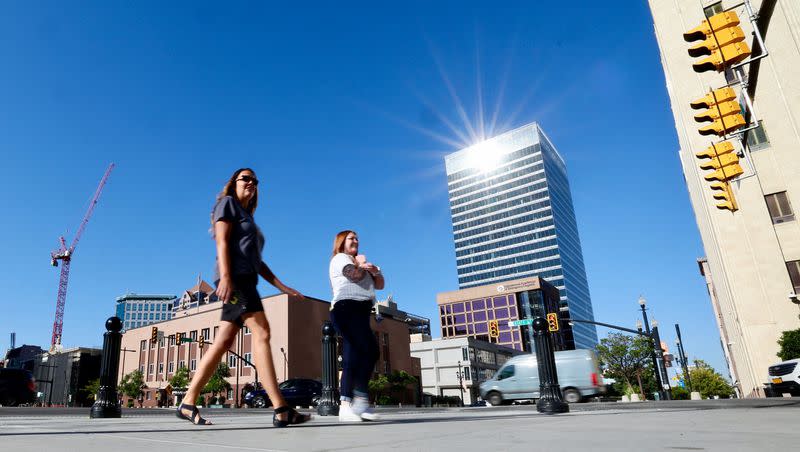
{"type": "Point", "coordinates": [723, 42]}
{"type": "Point", "coordinates": [178, 338]}
{"type": "Point", "coordinates": [723, 110]}
{"type": "Point", "coordinates": [153, 335]}
{"type": "Point", "coordinates": [552, 321]}
{"type": "Point", "coordinates": [725, 163]}
{"type": "Point", "coordinates": [201, 341]}
{"type": "Point", "coordinates": [494, 329]}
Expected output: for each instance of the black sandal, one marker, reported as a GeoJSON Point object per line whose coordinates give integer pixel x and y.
{"type": "Point", "coordinates": [294, 417]}
{"type": "Point", "coordinates": [195, 415]}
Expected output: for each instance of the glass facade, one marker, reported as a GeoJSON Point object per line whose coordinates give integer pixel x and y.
{"type": "Point", "coordinates": [137, 311]}
{"type": "Point", "coordinates": [513, 217]}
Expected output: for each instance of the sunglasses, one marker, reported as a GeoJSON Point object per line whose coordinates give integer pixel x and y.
{"type": "Point", "coordinates": [248, 180]}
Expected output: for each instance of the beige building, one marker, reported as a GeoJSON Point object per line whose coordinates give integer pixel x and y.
{"type": "Point", "coordinates": [752, 265]}
{"type": "Point", "coordinates": [296, 342]}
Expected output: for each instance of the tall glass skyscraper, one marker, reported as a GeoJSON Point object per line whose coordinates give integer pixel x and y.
{"type": "Point", "coordinates": [513, 217]}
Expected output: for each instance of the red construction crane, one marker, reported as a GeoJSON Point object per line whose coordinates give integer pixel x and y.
{"type": "Point", "coordinates": [65, 254]}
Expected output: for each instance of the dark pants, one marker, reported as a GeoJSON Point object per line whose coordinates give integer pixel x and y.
{"type": "Point", "coordinates": [360, 349]}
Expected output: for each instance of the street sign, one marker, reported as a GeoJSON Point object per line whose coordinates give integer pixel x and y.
{"type": "Point", "coordinates": [520, 322]}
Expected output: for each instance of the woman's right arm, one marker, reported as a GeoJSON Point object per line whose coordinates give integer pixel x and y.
{"type": "Point", "coordinates": [222, 231]}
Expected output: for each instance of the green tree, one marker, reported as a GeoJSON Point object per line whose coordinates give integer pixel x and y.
{"type": "Point", "coordinates": [91, 389]}
{"type": "Point", "coordinates": [399, 381]}
{"type": "Point", "coordinates": [132, 384]}
{"type": "Point", "coordinates": [218, 383]}
{"type": "Point", "coordinates": [378, 385]}
{"type": "Point", "coordinates": [790, 345]}
{"type": "Point", "coordinates": [181, 378]}
{"type": "Point", "coordinates": [626, 358]}
{"type": "Point", "coordinates": [708, 382]}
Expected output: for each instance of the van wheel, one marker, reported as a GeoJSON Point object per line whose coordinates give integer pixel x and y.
{"type": "Point", "coordinates": [572, 395]}
{"type": "Point", "coordinates": [495, 399]}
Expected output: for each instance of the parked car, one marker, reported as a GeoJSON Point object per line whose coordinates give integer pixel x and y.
{"type": "Point", "coordinates": [785, 377]}
{"type": "Point", "coordinates": [578, 376]}
{"type": "Point", "coordinates": [17, 386]}
{"type": "Point", "coordinates": [296, 391]}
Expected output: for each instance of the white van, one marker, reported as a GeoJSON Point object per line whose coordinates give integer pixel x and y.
{"type": "Point", "coordinates": [578, 376]}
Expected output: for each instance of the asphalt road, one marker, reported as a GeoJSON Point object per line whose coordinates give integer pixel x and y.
{"type": "Point", "coordinates": [725, 425]}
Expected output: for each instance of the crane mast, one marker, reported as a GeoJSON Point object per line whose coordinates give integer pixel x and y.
{"type": "Point", "coordinates": [64, 254]}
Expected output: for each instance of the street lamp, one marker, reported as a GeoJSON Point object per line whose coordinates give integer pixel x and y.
{"type": "Point", "coordinates": [653, 345]}
{"type": "Point", "coordinates": [682, 356]}
{"type": "Point", "coordinates": [460, 375]}
{"type": "Point", "coordinates": [285, 363]}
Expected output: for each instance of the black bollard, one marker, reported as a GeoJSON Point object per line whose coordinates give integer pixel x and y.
{"type": "Point", "coordinates": [107, 404]}
{"type": "Point", "coordinates": [550, 401]}
{"type": "Point", "coordinates": [329, 400]}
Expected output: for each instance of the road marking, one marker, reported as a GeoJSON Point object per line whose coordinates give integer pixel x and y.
{"type": "Point", "coordinates": [187, 443]}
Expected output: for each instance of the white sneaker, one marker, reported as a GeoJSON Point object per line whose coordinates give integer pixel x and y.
{"type": "Point", "coordinates": [361, 408]}
{"type": "Point", "coordinates": [346, 413]}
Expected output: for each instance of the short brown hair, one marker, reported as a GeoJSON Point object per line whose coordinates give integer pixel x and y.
{"type": "Point", "coordinates": [338, 242]}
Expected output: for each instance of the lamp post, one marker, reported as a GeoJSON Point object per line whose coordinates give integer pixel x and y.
{"type": "Point", "coordinates": [460, 375]}
{"type": "Point", "coordinates": [656, 368]}
{"type": "Point", "coordinates": [682, 356]}
{"type": "Point", "coordinates": [285, 363]}
{"type": "Point", "coordinates": [662, 368]}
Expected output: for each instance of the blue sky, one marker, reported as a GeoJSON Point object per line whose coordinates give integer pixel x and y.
{"type": "Point", "coordinates": [345, 113]}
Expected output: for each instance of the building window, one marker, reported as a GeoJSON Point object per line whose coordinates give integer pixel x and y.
{"type": "Point", "coordinates": [193, 365]}
{"type": "Point", "coordinates": [466, 373]}
{"type": "Point", "coordinates": [161, 368]}
{"type": "Point", "coordinates": [230, 394]}
{"type": "Point", "coordinates": [246, 330]}
{"type": "Point", "coordinates": [713, 9]}
{"type": "Point", "coordinates": [249, 357]}
{"type": "Point", "coordinates": [161, 341]}
{"type": "Point", "coordinates": [149, 369]}
{"type": "Point", "coordinates": [182, 363]}
{"type": "Point", "coordinates": [231, 361]}
{"type": "Point", "coordinates": [141, 369]}
{"type": "Point", "coordinates": [794, 275]}
{"type": "Point", "coordinates": [206, 332]}
{"type": "Point", "coordinates": [143, 345]}
{"type": "Point", "coordinates": [779, 208]}
{"type": "Point", "coordinates": [464, 354]}
{"type": "Point", "coordinates": [193, 335]}
{"type": "Point", "coordinates": [757, 138]}
{"type": "Point", "coordinates": [171, 367]}
{"type": "Point", "coordinates": [216, 331]}
{"type": "Point", "coordinates": [171, 340]}
{"type": "Point", "coordinates": [147, 395]}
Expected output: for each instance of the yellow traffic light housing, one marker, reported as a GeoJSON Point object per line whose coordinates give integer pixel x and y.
{"type": "Point", "coordinates": [201, 341]}
{"type": "Point", "coordinates": [552, 322]}
{"type": "Point", "coordinates": [723, 42]}
{"type": "Point", "coordinates": [154, 335]}
{"type": "Point", "coordinates": [725, 163]}
{"type": "Point", "coordinates": [178, 338]}
{"type": "Point", "coordinates": [494, 329]}
{"type": "Point", "coordinates": [723, 110]}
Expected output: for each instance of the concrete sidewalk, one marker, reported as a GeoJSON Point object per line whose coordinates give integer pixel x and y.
{"type": "Point", "coordinates": [485, 430]}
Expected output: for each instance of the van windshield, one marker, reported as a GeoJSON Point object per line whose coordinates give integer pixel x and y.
{"type": "Point", "coordinates": [506, 372]}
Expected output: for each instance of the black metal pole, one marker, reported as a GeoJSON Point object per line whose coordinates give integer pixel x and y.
{"type": "Point", "coordinates": [661, 366]}
{"type": "Point", "coordinates": [550, 401]}
{"type": "Point", "coordinates": [684, 359]}
{"type": "Point", "coordinates": [460, 376]}
{"type": "Point", "coordinates": [107, 403]}
{"type": "Point", "coordinates": [329, 400]}
{"type": "Point", "coordinates": [656, 369]}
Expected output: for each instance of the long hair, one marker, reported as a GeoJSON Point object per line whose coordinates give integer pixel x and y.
{"type": "Point", "coordinates": [230, 190]}
{"type": "Point", "coordinates": [338, 242]}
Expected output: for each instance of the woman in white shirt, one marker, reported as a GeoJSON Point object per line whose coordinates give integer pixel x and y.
{"type": "Point", "coordinates": [354, 281]}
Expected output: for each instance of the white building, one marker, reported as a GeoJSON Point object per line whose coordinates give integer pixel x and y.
{"type": "Point", "coordinates": [442, 360]}
{"type": "Point", "coordinates": [753, 252]}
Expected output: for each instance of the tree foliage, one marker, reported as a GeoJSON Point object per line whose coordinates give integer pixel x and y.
{"type": "Point", "coordinates": [627, 358]}
{"type": "Point", "coordinates": [132, 384]}
{"type": "Point", "coordinates": [218, 383]}
{"type": "Point", "coordinates": [396, 383]}
{"type": "Point", "coordinates": [91, 389]}
{"type": "Point", "coordinates": [181, 378]}
{"type": "Point", "coordinates": [790, 345]}
{"type": "Point", "coordinates": [708, 382]}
